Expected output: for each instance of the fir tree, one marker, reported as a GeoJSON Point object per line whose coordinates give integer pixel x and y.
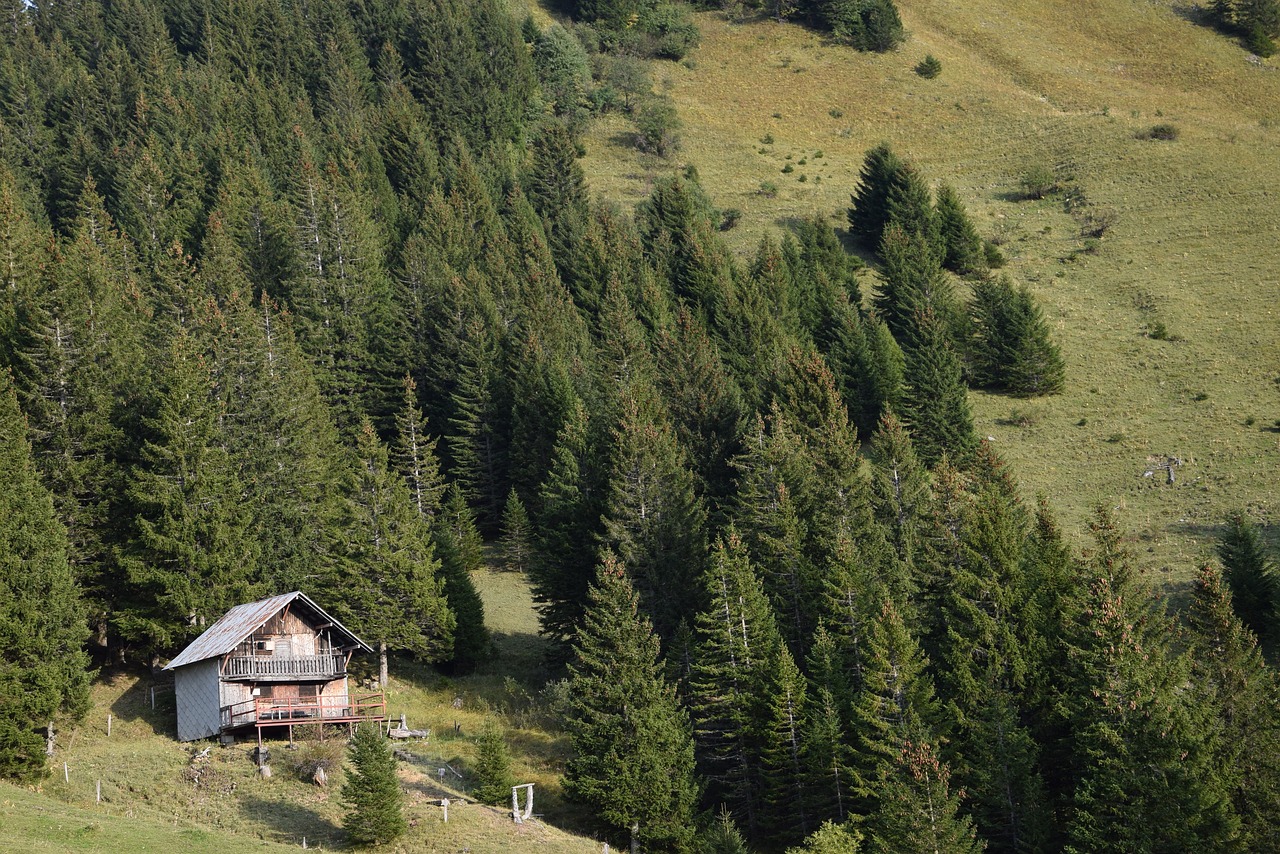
{"type": "Point", "coordinates": [492, 771]}
{"type": "Point", "coordinates": [869, 213]}
{"type": "Point", "coordinates": [460, 555]}
{"type": "Point", "coordinates": [387, 582]}
{"type": "Point", "coordinates": [962, 245]}
{"type": "Point", "coordinates": [1012, 349]}
{"type": "Point", "coordinates": [918, 810]}
{"type": "Point", "coordinates": [44, 671]}
{"type": "Point", "coordinates": [375, 812]}
{"type": "Point", "coordinates": [634, 763]}
{"type": "Point", "coordinates": [1250, 574]}
{"type": "Point", "coordinates": [516, 543]}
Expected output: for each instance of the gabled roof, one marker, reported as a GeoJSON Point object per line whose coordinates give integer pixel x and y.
{"type": "Point", "coordinates": [242, 621]}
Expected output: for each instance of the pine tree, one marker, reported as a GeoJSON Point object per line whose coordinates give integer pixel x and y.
{"type": "Point", "coordinates": [909, 205]}
{"type": "Point", "coordinates": [387, 580]}
{"type": "Point", "coordinates": [372, 792]}
{"type": "Point", "coordinates": [460, 555]}
{"type": "Point", "coordinates": [633, 763]}
{"type": "Point", "coordinates": [831, 838]}
{"type": "Point", "coordinates": [935, 404]}
{"type": "Point", "coordinates": [492, 771]}
{"type": "Point", "coordinates": [44, 671]}
{"type": "Point", "coordinates": [869, 213]}
{"type": "Point", "coordinates": [414, 453]}
{"type": "Point", "coordinates": [899, 487]}
{"type": "Point", "coordinates": [962, 245]}
{"type": "Point", "coordinates": [1250, 574]}
{"type": "Point", "coordinates": [721, 836]}
{"type": "Point", "coordinates": [785, 796]}
{"type": "Point", "coordinates": [557, 190]}
{"type": "Point", "coordinates": [516, 543]}
{"type": "Point", "coordinates": [1142, 745]}
{"type": "Point", "coordinates": [1245, 694]}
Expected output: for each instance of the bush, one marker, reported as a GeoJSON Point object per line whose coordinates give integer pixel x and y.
{"type": "Point", "coordinates": [1258, 42]}
{"type": "Point", "coordinates": [658, 122]}
{"type": "Point", "coordinates": [995, 258]}
{"type": "Point", "coordinates": [315, 756]}
{"type": "Point", "coordinates": [929, 67]}
{"type": "Point", "coordinates": [1038, 181]}
{"type": "Point", "coordinates": [1161, 131]}
{"type": "Point", "coordinates": [768, 189]}
{"type": "Point", "coordinates": [729, 218]}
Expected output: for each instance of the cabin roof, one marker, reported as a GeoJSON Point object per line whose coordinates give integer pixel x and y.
{"type": "Point", "coordinates": [243, 620]}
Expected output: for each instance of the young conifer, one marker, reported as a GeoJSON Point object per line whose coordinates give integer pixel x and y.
{"type": "Point", "coordinates": [375, 812]}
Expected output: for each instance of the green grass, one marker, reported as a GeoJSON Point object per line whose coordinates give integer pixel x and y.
{"type": "Point", "coordinates": [151, 800]}
{"type": "Point", "coordinates": [1073, 86]}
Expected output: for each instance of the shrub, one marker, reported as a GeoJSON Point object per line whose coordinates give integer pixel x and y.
{"type": "Point", "coordinates": [767, 139]}
{"type": "Point", "coordinates": [929, 67]}
{"type": "Point", "coordinates": [788, 169]}
{"type": "Point", "coordinates": [995, 258]}
{"type": "Point", "coordinates": [768, 189]}
{"type": "Point", "coordinates": [1258, 42]}
{"type": "Point", "coordinates": [1038, 181]}
{"type": "Point", "coordinates": [1161, 131]}
{"type": "Point", "coordinates": [657, 122]}
{"type": "Point", "coordinates": [315, 756]}
{"type": "Point", "coordinates": [729, 218]}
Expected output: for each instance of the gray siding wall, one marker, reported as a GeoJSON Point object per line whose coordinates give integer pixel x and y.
{"type": "Point", "coordinates": [196, 689]}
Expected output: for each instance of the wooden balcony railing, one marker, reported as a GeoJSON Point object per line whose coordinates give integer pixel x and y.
{"type": "Point", "coordinates": [324, 666]}
{"type": "Point", "coordinates": [271, 711]}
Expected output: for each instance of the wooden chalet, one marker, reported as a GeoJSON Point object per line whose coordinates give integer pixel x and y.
{"type": "Point", "coordinates": [273, 663]}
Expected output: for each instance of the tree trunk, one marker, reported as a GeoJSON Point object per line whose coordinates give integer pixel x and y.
{"type": "Point", "coordinates": [382, 665]}
{"type": "Point", "coordinates": [635, 837]}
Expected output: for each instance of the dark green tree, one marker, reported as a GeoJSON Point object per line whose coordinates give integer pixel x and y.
{"type": "Point", "coordinates": [918, 810]}
{"type": "Point", "coordinates": [1250, 573]}
{"type": "Point", "coordinates": [375, 804]}
{"type": "Point", "coordinates": [1245, 694]}
{"type": "Point", "coordinates": [387, 580]}
{"type": "Point", "coordinates": [461, 553]}
{"type": "Point", "coordinates": [961, 243]}
{"type": "Point", "coordinates": [1012, 350]}
{"type": "Point", "coordinates": [935, 404]}
{"type": "Point", "coordinates": [634, 760]}
{"type": "Point", "coordinates": [516, 544]}
{"type": "Point", "coordinates": [44, 671]}
{"type": "Point", "coordinates": [869, 213]}
{"type": "Point", "coordinates": [492, 769]}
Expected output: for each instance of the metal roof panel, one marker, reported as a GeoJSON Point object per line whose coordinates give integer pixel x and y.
{"type": "Point", "coordinates": [242, 621]}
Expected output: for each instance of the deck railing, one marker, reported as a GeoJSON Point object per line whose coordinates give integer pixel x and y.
{"type": "Point", "coordinates": [272, 711]}
{"type": "Point", "coordinates": [267, 666]}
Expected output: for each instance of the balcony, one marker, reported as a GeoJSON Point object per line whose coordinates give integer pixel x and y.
{"type": "Point", "coordinates": [285, 668]}
{"type": "Point", "coordinates": [287, 711]}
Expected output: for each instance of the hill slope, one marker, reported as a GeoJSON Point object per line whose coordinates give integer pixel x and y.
{"type": "Point", "coordinates": [1072, 86]}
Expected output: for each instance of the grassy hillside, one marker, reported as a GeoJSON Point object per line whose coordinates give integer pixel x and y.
{"type": "Point", "coordinates": [1072, 86]}
{"type": "Point", "coordinates": [153, 799]}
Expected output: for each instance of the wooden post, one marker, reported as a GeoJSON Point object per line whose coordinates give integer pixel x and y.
{"type": "Point", "coordinates": [99, 792]}
{"type": "Point", "coordinates": [48, 739]}
{"type": "Point", "coordinates": [108, 725]}
{"type": "Point", "coordinates": [66, 774]}
{"type": "Point", "coordinates": [444, 804]}
{"type": "Point", "coordinates": [153, 698]}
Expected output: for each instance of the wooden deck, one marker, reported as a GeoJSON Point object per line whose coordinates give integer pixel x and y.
{"type": "Point", "coordinates": [285, 668]}
{"type": "Point", "coordinates": [263, 712]}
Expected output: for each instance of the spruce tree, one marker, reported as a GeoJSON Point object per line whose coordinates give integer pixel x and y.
{"type": "Point", "coordinates": [492, 770]}
{"type": "Point", "coordinates": [1012, 349]}
{"type": "Point", "coordinates": [634, 761]}
{"type": "Point", "coordinates": [1142, 745]}
{"type": "Point", "coordinates": [1250, 573]}
{"type": "Point", "coordinates": [918, 809]}
{"type": "Point", "coordinates": [1229, 668]}
{"type": "Point", "coordinates": [461, 553]}
{"type": "Point", "coordinates": [387, 581]}
{"type": "Point", "coordinates": [869, 213]}
{"type": "Point", "coordinates": [935, 404]}
{"type": "Point", "coordinates": [44, 671]}
{"type": "Point", "coordinates": [516, 544]}
{"type": "Point", "coordinates": [732, 682]}
{"type": "Point", "coordinates": [961, 243]}
{"type": "Point", "coordinates": [375, 804]}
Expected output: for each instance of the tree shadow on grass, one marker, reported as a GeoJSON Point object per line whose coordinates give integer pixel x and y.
{"type": "Point", "coordinates": [135, 703]}
{"type": "Point", "coordinates": [289, 822]}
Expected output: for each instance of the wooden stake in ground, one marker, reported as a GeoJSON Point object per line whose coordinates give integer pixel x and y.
{"type": "Point", "coordinates": [108, 726]}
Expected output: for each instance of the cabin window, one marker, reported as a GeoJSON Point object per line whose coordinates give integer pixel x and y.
{"type": "Point", "coordinates": [308, 691]}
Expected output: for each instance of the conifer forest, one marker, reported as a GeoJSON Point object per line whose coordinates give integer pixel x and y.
{"type": "Point", "coordinates": [313, 295]}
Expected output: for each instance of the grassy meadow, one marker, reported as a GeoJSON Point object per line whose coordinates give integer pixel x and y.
{"type": "Point", "coordinates": [1190, 252]}
{"type": "Point", "coordinates": [153, 800]}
